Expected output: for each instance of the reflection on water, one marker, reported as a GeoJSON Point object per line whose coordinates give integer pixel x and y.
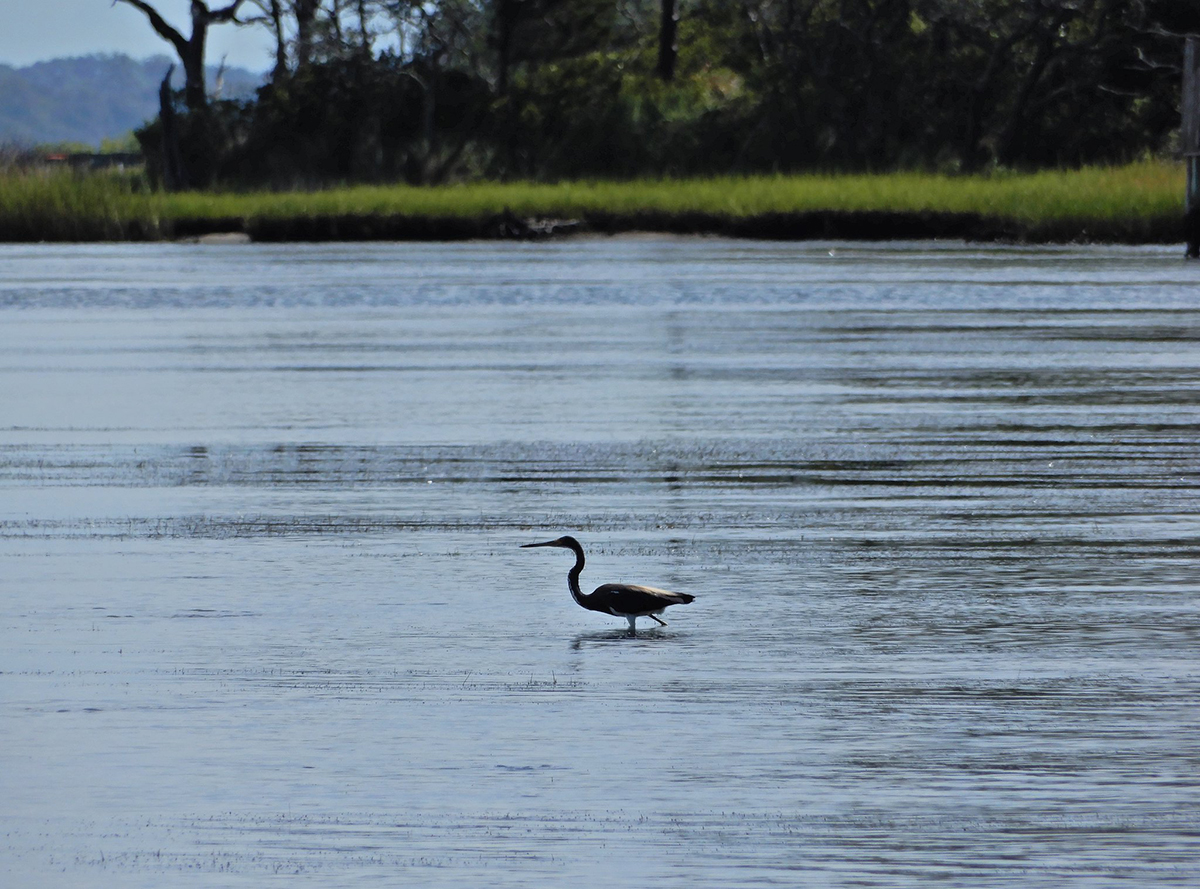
{"type": "Point", "coordinates": [263, 611]}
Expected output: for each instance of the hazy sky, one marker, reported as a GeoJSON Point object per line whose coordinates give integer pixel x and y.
{"type": "Point", "coordinates": [36, 30]}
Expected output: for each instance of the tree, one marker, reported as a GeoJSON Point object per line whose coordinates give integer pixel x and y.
{"type": "Point", "coordinates": [668, 49]}
{"type": "Point", "coordinates": [433, 89]}
{"type": "Point", "coordinates": [272, 15]}
{"type": "Point", "coordinates": [529, 33]}
{"type": "Point", "coordinates": [190, 49]}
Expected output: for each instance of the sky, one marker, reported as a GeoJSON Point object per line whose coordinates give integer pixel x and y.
{"type": "Point", "coordinates": [37, 30]}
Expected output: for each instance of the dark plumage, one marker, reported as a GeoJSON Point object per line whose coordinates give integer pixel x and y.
{"type": "Point", "coordinates": [626, 600]}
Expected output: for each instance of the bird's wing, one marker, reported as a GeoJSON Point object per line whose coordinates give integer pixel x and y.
{"type": "Point", "coordinates": [630, 598]}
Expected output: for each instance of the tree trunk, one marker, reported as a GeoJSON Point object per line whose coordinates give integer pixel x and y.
{"type": "Point", "coordinates": [190, 49]}
{"type": "Point", "coordinates": [335, 25]}
{"type": "Point", "coordinates": [195, 90]}
{"type": "Point", "coordinates": [306, 14]}
{"type": "Point", "coordinates": [1189, 138]}
{"type": "Point", "coordinates": [668, 49]}
{"type": "Point", "coordinates": [505, 21]}
{"type": "Point", "coordinates": [280, 71]}
{"type": "Point", "coordinates": [365, 33]}
{"type": "Point", "coordinates": [173, 173]}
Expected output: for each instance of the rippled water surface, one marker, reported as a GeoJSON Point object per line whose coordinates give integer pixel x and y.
{"type": "Point", "coordinates": [264, 619]}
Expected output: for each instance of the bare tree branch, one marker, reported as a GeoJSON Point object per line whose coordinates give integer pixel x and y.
{"type": "Point", "coordinates": [190, 49]}
{"type": "Point", "coordinates": [160, 25]}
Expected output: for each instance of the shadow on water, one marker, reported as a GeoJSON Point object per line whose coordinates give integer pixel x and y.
{"type": "Point", "coordinates": [624, 635]}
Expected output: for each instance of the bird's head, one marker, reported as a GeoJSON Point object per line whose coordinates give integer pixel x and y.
{"type": "Point", "coordinates": [565, 542]}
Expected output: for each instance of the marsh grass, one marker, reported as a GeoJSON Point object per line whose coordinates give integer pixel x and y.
{"type": "Point", "coordinates": [65, 206]}
{"type": "Point", "coordinates": [1138, 200]}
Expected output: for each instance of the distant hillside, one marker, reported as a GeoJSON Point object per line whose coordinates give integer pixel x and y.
{"type": "Point", "coordinates": [91, 98]}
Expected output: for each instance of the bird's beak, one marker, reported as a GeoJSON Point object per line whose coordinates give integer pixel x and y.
{"type": "Point", "coordinates": [546, 543]}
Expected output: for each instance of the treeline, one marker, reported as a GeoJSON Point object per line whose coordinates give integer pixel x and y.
{"type": "Point", "coordinates": [427, 92]}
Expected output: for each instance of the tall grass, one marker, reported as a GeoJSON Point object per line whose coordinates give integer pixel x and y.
{"type": "Point", "coordinates": [63, 206]}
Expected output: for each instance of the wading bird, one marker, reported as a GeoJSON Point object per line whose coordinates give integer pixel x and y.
{"type": "Point", "coordinates": [621, 599]}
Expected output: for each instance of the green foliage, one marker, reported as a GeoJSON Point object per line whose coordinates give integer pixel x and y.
{"type": "Point", "coordinates": [553, 89]}
{"type": "Point", "coordinates": [126, 144]}
{"type": "Point", "coordinates": [353, 119]}
{"type": "Point", "coordinates": [208, 141]}
{"type": "Point", "coordinates": [567, 117]}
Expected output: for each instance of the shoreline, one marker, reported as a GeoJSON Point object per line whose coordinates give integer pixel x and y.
{"type": "Point", "coordinates": [1137, 204]}
{"type": "Point", "coordinates": [812, 225]}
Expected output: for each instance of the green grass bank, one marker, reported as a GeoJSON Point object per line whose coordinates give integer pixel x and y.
{"type": "Point", "coordinates": [1139, 203]}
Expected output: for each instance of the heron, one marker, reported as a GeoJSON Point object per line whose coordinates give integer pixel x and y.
{"type": "Point", "coordinates": [625, 600]}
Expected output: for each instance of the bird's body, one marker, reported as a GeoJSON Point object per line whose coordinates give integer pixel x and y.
{"type": "Point", "coordinates": [626, 600]}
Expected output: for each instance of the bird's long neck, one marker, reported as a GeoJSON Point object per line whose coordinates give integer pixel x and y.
{"type": "Point", "coordinates": [573, 576]}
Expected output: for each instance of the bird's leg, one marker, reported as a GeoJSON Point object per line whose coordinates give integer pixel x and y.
{"type": "Point", "coordinates": [632, 628]}
{"type": "Point", "coordinates": [657, 618]}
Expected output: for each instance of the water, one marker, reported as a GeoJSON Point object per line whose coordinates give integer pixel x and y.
{"type": "Point", "coordinates": [264, 618]}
